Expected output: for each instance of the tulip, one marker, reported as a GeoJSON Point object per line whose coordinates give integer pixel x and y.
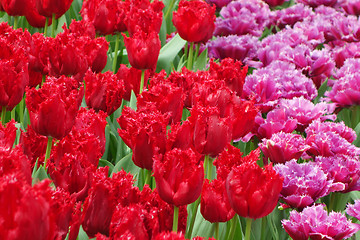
{"type": "Point", "coordinates": [103, 91]}
{"type": "Point", "coordinates": [211, 132]}
{"type": "Point", "coordinates": [144, 131]}
{"type": "Point", "coordinates": [195, 20]}
{"type": "Point", "coordinates": [215, 205]}
{"type": "Point", "coordinates": [179, 176]}
{"type": "Point", "coordinates": [143, 49]}
{"type": "Point", "coordinates": [53, 107]}
{"type": "Point", "coordinates": [47, 8]}
{"type": "Point", "coordinates": [253, 192]}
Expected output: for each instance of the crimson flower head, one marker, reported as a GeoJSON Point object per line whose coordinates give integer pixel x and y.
{"type": "Point", "coordinates": [195, 20]}
{"type": "Point", "coordinates": [144, 131]}
{"type": "Point", "coordinates": [103, 91]}
{"type": "Point", "coordinates": [231, 71]}
{"type": "Point", "coordinates": [131, 77]}
{"type": "Point", "coordinates": [211, 132]}
{"type": "Point", "coordinates": [215, 205]}
{"type": "Point", "coordinates": [13, 73]}
{"type": "Point", "coordinates": [179, 176]}
{"type": "Point", "coordinates": [47, 8]}
{"type": "Point", "coordinates": [167, 97]}
{"type": "Point", "coordinates": [33, 17]}
{"type": "Point", "coordinates": [146, 15]}
{"type": "Point", "coordinates": [143, 49]}
{"type": "Point", "coordinates": [53, 107]}
{"type": "Point", "coordinates": [104, 195]}
{"type": "Point", "coordinates": [7, 135]}
{"type": "Point", "coordinates": [253, 192]}
{"type": "Point", "coordinates": [107, 16]}
{"type": "Point", "coordinates": [14, 7]}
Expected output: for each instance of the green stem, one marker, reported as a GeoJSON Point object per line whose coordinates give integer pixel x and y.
{"type": "Point", "coordinates": [233, 227]}
{"type": "Point", "coordinates": [117, 43]}
{"type": "Point", "coordinates": [16, 20]}
{"type": "Point", "coordinates": [209, 170]}
{"type": "Point", "coordinates": [355, 116]}
{"type": "Point", "coordinates": [3, 114]}
{"type": "Point", "coordinates": [147, 177]}
{"type": "Point", "coordinates": [21, 110]}
{"type": "Point", "coordinates": [53, 25]}
{"type": "Point", "coordinates": [217, 230]}
{"type": "Point", "coordinates": [193, 217]}
{"type": "Point", "coordinates": [13, 114]}
{"type": "Point", "coordinates": [46, 26]}
{"type": "Point", "coordinates": [169, 9]}
{"type": "Point", "coordinates": [142, 81]}
{"type": "Point", "coordinates": [263, 225]}
{"type": "Point", "coordinates": [332, 202]}
{"type": "Point", "coordinates": [48, 150]}
{"type": "Point", "coordinates": [197, 49]}
{"type": "Point", "coordinates": [190, 58]}
{"type": "Point", "coordinates": [175, 219]}
{"type": "Point", "coordinates": [206, 164]}
{"type": "Point", "coordinates": [248, 228]}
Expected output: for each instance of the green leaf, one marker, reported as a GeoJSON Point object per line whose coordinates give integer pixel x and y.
{"type": "Point", "coordinates": [104, 163]}
{"type": "Point", "coordinates": [127, 164]}
{"type": "Point", "coordinates": [169, 52]}
{"type": "Point", "coordinates": [39, 175]}
{"type": "Point", "coordinates": [82, 234]}
{"type": "Point", "coordinates": [133, 100]}
{"type": "Point", "coordinates": [60, 23]}
{"type": "Point", "coordinates": [321, 91]}
{"type": "Point", "coordinates": [201, 61]}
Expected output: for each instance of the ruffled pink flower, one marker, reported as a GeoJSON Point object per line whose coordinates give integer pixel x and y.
{"type": "Point", "coordinates": [278, 80]}
{"type": "Point", "coordinates": [339, 128]}
{"type": "Point", "coordinates": [241, 48]}
{"type": "Point", "coordinates": [342, 170]}
{"type": "Point", "coordinates": [351, 7]}
{"type": "Point", "coordinates": [354, 209]}
{"type": "Point", "coordinates": [314, 222]}
{"type": "Point", "coordinates": [305, 112]}
{"type": "Point", "coordinates": [291, 15]}
{"type": "Point", "coordinates": [276, 121]}
{"type": "Point", "coordinates": [242, 17]}
{"type": "Point", "coordinates": [303, 183]}
{"type": "Point", "coordinates": [283, 147]}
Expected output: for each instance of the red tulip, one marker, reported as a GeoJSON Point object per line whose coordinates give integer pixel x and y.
{"type": "Point", "coordinates": [211, 132]}
{"type": "Point", "coordinates": [131, 77]}
{"type": "Point", "coordinates": [215, 205]}
{"type": "Point", "coordinates": [232, 157]}
{"type": "Point", "coordinates": [195, 20]}
{"type": "Point", "coordinates": [47, 8]}
{"type": "Point", "coordinates": [107, 16]}
{"type": "Point", "coordinates": [166, 97]}
{"type": "Point", "coordinates": [143, 49]}
{"type": "Point", "coordinates": [103, 91]}
{"type": "Point", "coordinates": [33, 17]}
{"type": "Point", "coordinates": [144, 131]}
{"type": "Point", "coordinates": [25, 211]}
{"type": "Point", "coordinates": [53, 107]}
{"type": "Point", "coordinates": [13, 73]}
{"type": "Point", "coordinates": [104, 195]}
{"type": "Point", "coordinates": [7, 135]}
{"type": "Point", "coordinates": [15, 7]}
{"type": "Point", "coordinates": [145, 16]}
{"type": "Point", "coordinates": [253, 192]}
{"type": "Point", "coordinates": [180, 136]}
{"type": "Point", "coordinates": [15, 162]}
{"type": "Point", "coordinates": [230, 71]}
{"type": "Point", "coordinates": [179, 176]}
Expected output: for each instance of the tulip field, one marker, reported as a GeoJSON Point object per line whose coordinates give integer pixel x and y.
{"type": "Point", "coordinates": [179, 119]}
